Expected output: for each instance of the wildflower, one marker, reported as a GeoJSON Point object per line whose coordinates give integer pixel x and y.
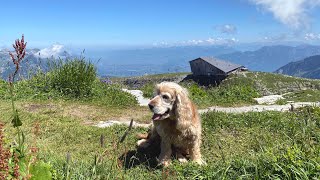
{"type": "Point", "coordinates": [20, 49]}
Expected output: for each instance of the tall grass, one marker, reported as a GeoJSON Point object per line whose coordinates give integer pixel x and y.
{"type": "Point", "coordinates": [225, 95]}
{"type": "Point", "coordinates": [228, 93]}
{"type": "Point", "coordinates": [73, 77]}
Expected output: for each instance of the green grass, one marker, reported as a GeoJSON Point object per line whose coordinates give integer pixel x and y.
{"type": "Point", "coordinates": [235, 146]}
{"type": "Point", "coordinates": [224, 95]}
{"type": "Point", "coordinates": [308, 95]}
{"type": "Point", "coordinates": [270, 83]}
{"type": "Point", "coordinates": [303, 96]}
{"type": "Point", "coordinates": [3, 88]}
{"type": "Point", "coordinates": [148, 89]}
{"type": "Point", "coordinates": [240, 89]}
{"type": "Point", "coordinates": [231, 92]}
{"type": "Point", "coordinates": [73, 77]}
{"type": "Point", "coordinates": [266, 145]}
{"type": "Point", "coordinates": [73, 80]}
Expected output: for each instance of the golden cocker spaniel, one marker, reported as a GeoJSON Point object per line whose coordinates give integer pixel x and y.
{"type": "Point", "coordinates": [176, 123]}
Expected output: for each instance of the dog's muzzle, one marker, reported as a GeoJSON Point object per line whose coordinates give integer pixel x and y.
{"type": "Point", "coordinates": [159, 116]}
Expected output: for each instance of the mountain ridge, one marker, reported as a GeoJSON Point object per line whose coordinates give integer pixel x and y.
{"type": "Point", "coordinates": [308, 68]}
{"type": "Point", "coordinates": [137, 62]}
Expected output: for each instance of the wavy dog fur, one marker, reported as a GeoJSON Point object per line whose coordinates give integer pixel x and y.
{"type": "Point", "coordinates": [176, 121]}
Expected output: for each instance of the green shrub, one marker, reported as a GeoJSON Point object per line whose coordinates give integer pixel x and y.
{"type": "Point", "coordinates": [73, 77]}
{"type": "Point", "coordinates": [148, 89]}
{"type": "Point", "coordinates": [228, 93]}
{"type": "Point", "coordinates": [111, 95]}
{"type": "Point", "coordinates": [71, 80]}
{"type": "Point", "coordinates": [225, 94]}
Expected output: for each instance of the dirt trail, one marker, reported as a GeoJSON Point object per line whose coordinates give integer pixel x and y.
{"type": "Point", "coordinates": [139, 95]}
{"type": "Point", "coordinates": [103, 124]}
{"type": "Point", "coordinates": [266, 103]}
{"type": "Point", "coordinates": [259, 108]}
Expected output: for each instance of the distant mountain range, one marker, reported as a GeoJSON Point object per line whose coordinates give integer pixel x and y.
{"type": "Point", "coordinates": [154, 60]}
{"type": "Point", "coordinates": [142, 61]}
{"type": "Point", "coordinates": [307, 68]}
{"type": "Point", "coordinates": [176, 59]}
{"type": "Point", "coordinates": [270, 58]}
{"type": "Point", "coordinates": [34, 59]}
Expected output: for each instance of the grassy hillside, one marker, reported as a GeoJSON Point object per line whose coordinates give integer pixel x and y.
{"type": "Point", "coordinates": [73, 80]}
{"type": "Point", "coordinates": [270, 83]}
{"type": "Point", "coordinates": [240, 89]}
{"type": "Point", "coordinates": [59, 110]}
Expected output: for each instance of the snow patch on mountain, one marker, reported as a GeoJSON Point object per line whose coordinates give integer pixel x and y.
{"type": "Point", "coordinates": [54, 51]}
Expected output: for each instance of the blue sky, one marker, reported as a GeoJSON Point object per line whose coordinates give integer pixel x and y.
{"type": "Point", "coordinates": [135, 23]}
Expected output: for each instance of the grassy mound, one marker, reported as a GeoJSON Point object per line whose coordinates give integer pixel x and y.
{"type": "Point", "coordinates": [73, 77]}
{"type": "Point", "coordinates": [70, 80]}
{"type": "Point", "coordinates": [240, 89]}
{"type": "Point", "coordinates": [270, 83]}
{"type": "Point", "coordinates": [230, 92]}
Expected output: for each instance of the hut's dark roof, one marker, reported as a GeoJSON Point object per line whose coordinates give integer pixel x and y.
{"type": "Point", "coordinates": [224, 66]}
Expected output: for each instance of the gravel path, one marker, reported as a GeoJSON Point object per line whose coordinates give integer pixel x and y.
{"type": "Point", "coordinates": [266, 103]}
{"type": "Point", "coordinates": [104, 124]}
{"type": "Point", "coordinates": [271, 99]}
{"type": "Point", "coordinates": [139, 95]}
{"type": "Point", "coordinates": [259, 108]}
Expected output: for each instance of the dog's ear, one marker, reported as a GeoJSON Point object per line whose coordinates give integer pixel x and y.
{"type": "Point", "coordinates": [178, 98]}
{"type": "Point", "coordinates": [183, 111]}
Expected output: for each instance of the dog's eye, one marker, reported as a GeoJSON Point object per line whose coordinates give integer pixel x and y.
{"type": "Point", "coordinates": [165, 96]}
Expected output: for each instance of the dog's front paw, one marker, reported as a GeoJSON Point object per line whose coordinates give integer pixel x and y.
{"type": "Point", "coordinates": [164, 163]}
{"type": "Point", "coordinates": [201, 162]}
{"type": "Point", "coordinates": [143, 143]}
{"type": "Point", "coordinates": [182, 159]}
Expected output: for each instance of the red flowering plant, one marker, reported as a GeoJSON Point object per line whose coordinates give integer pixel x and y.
{"type": "Point", "coordinates": [20, 52]}
{"type": "Point", "coordinates": [18, 149]}
{"type": "Point", "coordinates": [20, 162]}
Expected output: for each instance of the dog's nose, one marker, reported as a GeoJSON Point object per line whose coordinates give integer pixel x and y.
{"type": "Point", "coordinates": [150, 106]}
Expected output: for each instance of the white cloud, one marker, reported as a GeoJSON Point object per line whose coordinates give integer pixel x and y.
{"type": "Point", "coordinates": [55, 51]}
{"type": "Point", "coordinates": [293, 13]}
{"type": "Point", "coordinates": [312, 36]}
{"type": "Point", "coordinates": [227, 29]}
{"type": "Point", "coordinates": [199, 42]}
{"type": "Point", "coordinates": [276, 38]}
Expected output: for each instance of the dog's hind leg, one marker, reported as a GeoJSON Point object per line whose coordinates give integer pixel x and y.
{"type": "Point", "coordinates": [146, 141]}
